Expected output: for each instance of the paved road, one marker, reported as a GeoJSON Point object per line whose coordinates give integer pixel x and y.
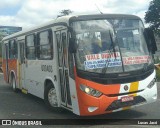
{"type": "Point", "coordinates": [21, 106]}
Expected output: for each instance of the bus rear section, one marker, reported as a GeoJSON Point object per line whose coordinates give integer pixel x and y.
{"type": "Point", "coordinates": [9, 59]}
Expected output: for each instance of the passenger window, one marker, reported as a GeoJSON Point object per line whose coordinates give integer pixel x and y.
{"type": "Point", "coordinates": [45, 45]}
{"type": "Point", "coordinates": [12, 49]}
{"type": "Point", "coordinates": [30, 47]}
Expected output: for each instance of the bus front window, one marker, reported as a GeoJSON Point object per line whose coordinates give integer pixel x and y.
{"type": "Point", "coordinates": [111, 46]}
{"type": "Point", "coordinates": [133, 47]}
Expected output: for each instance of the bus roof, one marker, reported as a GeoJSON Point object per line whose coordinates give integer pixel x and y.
{"type": "Point", "coordinates": [58, 21]}
{"type": "Point", "coordinates": [65, 20]}
{"type": "Point", "coordinates": [102, 16]}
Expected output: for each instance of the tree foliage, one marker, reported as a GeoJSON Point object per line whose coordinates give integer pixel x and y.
{"type": "Point", "coordinates": [0, 50]}
{"type": "Point", "coordinates": [153, 16]}
{"type": "Point", "coordinates": [1, 36]}
{"type": "Point", "coordinates": [65, 12]}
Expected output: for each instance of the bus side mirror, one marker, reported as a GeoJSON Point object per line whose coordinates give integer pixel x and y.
{"type": "Point", "coordinates": [150, 39]}
{"type": "Point", "coordinates": [72, 45]}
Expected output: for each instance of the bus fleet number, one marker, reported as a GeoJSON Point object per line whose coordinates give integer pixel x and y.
{"type": "Point", "coordinates": [46, 68]}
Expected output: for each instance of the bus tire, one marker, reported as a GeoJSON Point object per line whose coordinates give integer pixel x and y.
{"type": "Point", "coordinates": [50, 98]}
{"type": "Point", "coordinates": [13, 83]}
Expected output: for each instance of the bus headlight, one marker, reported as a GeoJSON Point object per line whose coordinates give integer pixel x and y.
{"type": "Point", "coordinates": [90, 91]}
{"type": "Point", "coordinates": [152, 83]}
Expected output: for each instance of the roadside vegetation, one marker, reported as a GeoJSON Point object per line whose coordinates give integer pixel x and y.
{"type": "Point", "coordinates": [0, 52]}
{"type": "Point", "coordinates": [158, 75]}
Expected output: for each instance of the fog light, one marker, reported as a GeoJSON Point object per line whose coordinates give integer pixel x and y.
{"type": "Point", "coordinates": [92, 109]}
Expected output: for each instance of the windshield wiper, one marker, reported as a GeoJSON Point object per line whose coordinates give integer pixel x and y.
{"type": "Point", "coordinates": [107, 62]}
{"type": "Point", "coordinates": [112, 44]}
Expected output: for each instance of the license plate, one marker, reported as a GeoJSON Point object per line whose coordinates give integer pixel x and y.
{"type": "Point", "coordinates": [127, 98]}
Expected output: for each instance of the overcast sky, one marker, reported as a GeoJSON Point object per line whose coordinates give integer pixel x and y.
{"type": "Point", "coordinates": [28, 13]}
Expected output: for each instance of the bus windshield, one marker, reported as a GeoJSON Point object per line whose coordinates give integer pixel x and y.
{"type": "Point", "coordinates": [111, 46]}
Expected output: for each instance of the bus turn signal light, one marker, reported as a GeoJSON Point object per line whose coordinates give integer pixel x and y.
{"type": "Point", "coordinates": [151, 84]}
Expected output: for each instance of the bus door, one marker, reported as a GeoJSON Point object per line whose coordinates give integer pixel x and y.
{"type": "Point", "coordinates": [6, 56]}
{"type": "Point", "coordinates": [21, 64]}
{"type": "Point", "coordinates": [62, 49]}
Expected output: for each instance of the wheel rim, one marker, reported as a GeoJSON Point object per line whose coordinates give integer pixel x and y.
{"type": "Point", "coordinates": [52, 97]}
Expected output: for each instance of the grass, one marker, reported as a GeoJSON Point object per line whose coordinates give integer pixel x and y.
{"type": "Point", "coordinates": [158, 74]}
{"type": "Point", "coordinates": [0, 64]}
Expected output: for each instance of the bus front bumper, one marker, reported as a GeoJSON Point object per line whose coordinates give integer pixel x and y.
{"type": "Point", "coordinates": [94, 106]}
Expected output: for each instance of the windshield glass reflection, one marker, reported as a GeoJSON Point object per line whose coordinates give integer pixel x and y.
{"type": "Point", "coordinates": [111, 46]}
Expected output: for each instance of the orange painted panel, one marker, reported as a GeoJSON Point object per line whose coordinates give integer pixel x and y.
{"type": "Point", "coordinates": [85, 100]}
{"type": "Point", "coordinates": [12, 65]}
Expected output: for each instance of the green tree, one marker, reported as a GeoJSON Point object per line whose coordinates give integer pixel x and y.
{"type": "Point", "coordinates": [157, 60]}
{"type": "Point", "coordinates": [65, 12]}
{"type": "Point", "coordinates": [1, 36]}
{"type": "Point", "coordinates": [153, 16]}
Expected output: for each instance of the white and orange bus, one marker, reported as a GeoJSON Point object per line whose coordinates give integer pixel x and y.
{"type": "Point", "coordinates": [88, 64]}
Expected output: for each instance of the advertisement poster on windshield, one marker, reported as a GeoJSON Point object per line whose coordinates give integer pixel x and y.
{"type": "Point", "coordinates": [136, 60]}
{"type": "Point", "coordinates": [95, 61]}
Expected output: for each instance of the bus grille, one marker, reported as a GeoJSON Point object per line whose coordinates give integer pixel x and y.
{"type": "Point", "coordinates": [118, 104]}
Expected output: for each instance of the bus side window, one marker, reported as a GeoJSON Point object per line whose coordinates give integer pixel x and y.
{"type": "Point", "coordinates": [30, 47]}
{"type": "Point", "coordinates": [45, 45]}
{"type": "Point", "coordinates": [12, 49]}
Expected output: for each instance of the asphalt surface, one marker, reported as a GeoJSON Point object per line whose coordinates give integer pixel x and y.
{"type": "Point", "coordinates": [21, 106]}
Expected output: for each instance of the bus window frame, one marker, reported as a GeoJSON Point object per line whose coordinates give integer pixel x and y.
{"type": "Point", "coordinates": [35, 45]}
{"type": "Point", "coordinates": [50, 34]}
{"type": "Point", "coordinates": [12, 50]}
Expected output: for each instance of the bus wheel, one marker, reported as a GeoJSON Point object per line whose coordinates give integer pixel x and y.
{"type": "Point", "coordinates": [50, 97]}
{"type": "Point", "coordinates": [13, 84]}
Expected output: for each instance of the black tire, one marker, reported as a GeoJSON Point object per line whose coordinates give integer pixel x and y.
{"type": "Point", "coordinates": [13, 84]}
{"type": "Point", "coordinates": [54, 105]}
